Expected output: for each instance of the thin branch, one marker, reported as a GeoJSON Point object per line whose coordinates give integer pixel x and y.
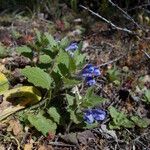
{"type": "Point", "coordinates": [109, 22]}
{"type": "Point", "coordinates": [125, 13]}
{"type": "Point", "coordinates": [139, 7]}
{"type": "Point", "coordinates": [146, 54]}
{"type": "Point", "coordinates": [61, 144]}
{"type": "Point", "coordinates": [110, 62]}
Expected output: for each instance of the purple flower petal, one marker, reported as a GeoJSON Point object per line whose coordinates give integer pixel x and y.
{"type": "Point", "coordinates": [86, 75]}
{"type": "Point", "coordinates": [90, 71]}
{"type": "Point", "coordinates": [89, 68]}
{"type": "Point", "coordinates": [98, 114]}
{"type": "Point", "coordinates": [90, 81]}
{"type": "Point", "coordinates": [72, 47]}
{"type": "Point", "coordinates": [96, 72]}
{"type": "Point", "coordinates": [88, 117]}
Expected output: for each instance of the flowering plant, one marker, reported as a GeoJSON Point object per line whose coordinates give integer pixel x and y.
{"type": "Point", "coordinates": [54, 74]}
{"type": "Point", "coordinates": [89, 73]}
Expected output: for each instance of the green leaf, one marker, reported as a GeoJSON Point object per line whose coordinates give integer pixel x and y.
{"type": "Point", "coordinates": [114, 75]}
{"type": "Point", "coordinates": [50, 39]}
{"type": "Point", "coordinates": [74, 117]}
{"type": "Point", "coordinates": [70, 82]}
{"type": "Point", "coordinates": [72, 64]}
{"type": "Point", "coordinates": [52, 111]}
{"type": "Point", "coordinates": [38, 35]}
{"type": "Point", "coordinates": [15, 34]}
{"type": "Point", "coordinates": [37, 77]}
{"type": "Point", "coordinates": [89, 92]}
{"type": "Point", "coordinates": [4, 84]}
{"type": "Point", "coordinates": [91, 126]}
{"type": "Point", "coordinates": [64, 58]}
{"type": "Point", "coordinates": [79, 58]}
{"type": "Point", "coordinates": [23, 49]}
{"type": "Point", "coordinates": [42, 124]}
{"type": "Point", "coordinates": [64, 42]}
{"type": "Point", "coordinates": [142, 123]}
{"type": "Point", "coordinates": [62, 69]}
{"type": "Point", "coordinates": [119, 119]}
{"type": "Point", "coordinates": [91, 100]}
{"type": "Point", "coordinates": [70, 99]}
{"type": "Point", "coordinates": [3, 51]}
{"type": "Point", "coordinates": [147, 96]}
{"type": "Point", "coordinates": [45, 59]}
{"type": "Point", "coordinates": [57, 79]}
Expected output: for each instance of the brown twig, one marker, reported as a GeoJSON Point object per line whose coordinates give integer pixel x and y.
{"type": "Point", "coordinates": [109, 22]}
{"type": "Point", "coordinates": [146, 54]}
{"type": "Point", "coordinates": [61, 144]}
{"type": "Point", "coordinates": [125, 13]}
{"type": "Point", "coordinates": [139, 7]}
{"type": "Point", "coordinates": [110, 62]}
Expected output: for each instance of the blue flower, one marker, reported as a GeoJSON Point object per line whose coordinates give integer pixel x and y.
{"type": "Point", "coordinates": [96, 72]}
{"type": "Point", "coordinates": [98, 114]}
{"type": "Point", "coordinates": [90, 81]}
{"type": "Point", "coordinates": [88, 117]}
{"type": "Point", "coordinates": [92, 115]}
{"type": "Point", "coordinates": [73, 46]}
{"type": "Point", "coordinates": [90, 71]}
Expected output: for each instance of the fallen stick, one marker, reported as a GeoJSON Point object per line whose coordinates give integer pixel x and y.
{"type": "Point", "coordinates": [125, 13]}
{"type": "Point", "coordinates": [146, 54]}
{"type": "Point", "coordinates": [109, 22]}
{"type": "Point", "coordinates": [110, 62]}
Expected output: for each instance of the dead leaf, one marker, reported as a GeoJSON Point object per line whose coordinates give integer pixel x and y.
{"type": "Point", "coordinates": [70, 138]}
{"type": "Point", "coordinates": [2, 147]}
{"type": "Point", "coordinates": [17, 99]}
{"type": "Point", "coordinates": [42, 147]}
{"type": "Point", "coordinates": [28, 147]}
{"type": "Point", "coordinates": [85, 136]}
{"type": "Point", "coordinates": [109, 134]}
{"type": "Point", "coordinates": [15, 127]}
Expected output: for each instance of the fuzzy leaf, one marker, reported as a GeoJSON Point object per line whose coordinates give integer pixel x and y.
{"type": "Point", "coordinates": [42, 124]}
{"type": "Point", "coordinates": [64, 58]}
{"type": "Point", "coordinates": [52, 111]}
{"type": "Point", "coordinates": [23, 49]}
{"type": "Point", "coordinates": [64, 42]}
{"type": "Point", "coordinates": [44, 59]}
{"type": "Point", "coordinates": [50, 39]}
{"type": "Point", "coordinates": [142, 123]}
{"type": "Point", "coordinates": [70, 99]}
{"type": "Point", "coordinates": [114, 75]}
{"type": "Point", "coordinates": [38, 35]}
{"type": "Point", "coordinates": [79, 58]}
{"type": "Point", "coordinates": [70, 82]}
{"type": "Point", "coordinates": [74, 117]}
{"type": "Point", "coordinates": [147, 96]}
{"type": "Point", "coordinates": [3, 51]}
{"type": "Point", "coordinates": [91, 126]}
{"type": "Point", "coordinates": [37, 76]}
{"type": "Point", "coordinates": [91, 100]}
{"type": "Point", "coordinates": [119, 119]}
